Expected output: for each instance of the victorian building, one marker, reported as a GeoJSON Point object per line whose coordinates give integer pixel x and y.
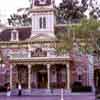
{"type": "Point", "coordinates": [30, 57]}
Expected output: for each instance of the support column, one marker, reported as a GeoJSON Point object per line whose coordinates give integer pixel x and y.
{"type": "Point", "coordinates": [48, 72]}
{"type": "Point", "coordinates": [68, 76]}
{"type": "Point", "coordinates": [29, 77]}
{"type": "Point", "coordinates": [29, 51]}
{"type": "Point", "coordinates": [11, 76]}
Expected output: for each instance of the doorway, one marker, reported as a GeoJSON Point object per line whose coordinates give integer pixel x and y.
{"type": "Point", "coordinates": [22, 72]}
{"type": "Point", "coordinates": [42, 79]}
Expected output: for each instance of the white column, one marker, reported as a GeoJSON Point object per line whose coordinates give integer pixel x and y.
{"type": "Point", "coordinates": [11, 76]}
{"type": "Point", "coordinates": [29, 51]}
{"type": "Point", "coordinates": [29, 76]}
{"type": "Point", "coordinates": [48, 72]}
{"type": "Point", "coordinates": [91, 72]}
{"type": "Point", "coordinates": [68, 76]}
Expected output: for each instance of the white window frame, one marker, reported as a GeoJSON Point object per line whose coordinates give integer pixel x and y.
{"type": "Point", "coordinates": [42, 23]}
{"type": "Point", "coordinates": [14, 35]}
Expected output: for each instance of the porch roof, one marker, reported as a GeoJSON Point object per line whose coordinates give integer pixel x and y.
{"type": "Point", "coordinates": [42, 60]}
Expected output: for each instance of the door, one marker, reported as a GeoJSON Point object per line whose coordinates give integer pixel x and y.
{"type": "Point", "coordinates": [42, 79]}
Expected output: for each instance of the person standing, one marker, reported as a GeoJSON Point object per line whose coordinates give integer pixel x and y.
{"type": "Point", "coordinates": [19, 90]}
{"type": "Point", "coordinates": [8, 91]}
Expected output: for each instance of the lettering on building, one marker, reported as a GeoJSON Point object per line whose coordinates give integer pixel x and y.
{"type": "Point", "coordinates": [38, 53]}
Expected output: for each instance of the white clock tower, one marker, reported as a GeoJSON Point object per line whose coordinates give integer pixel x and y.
{"type": "Point", "coordinates": [43, 18]}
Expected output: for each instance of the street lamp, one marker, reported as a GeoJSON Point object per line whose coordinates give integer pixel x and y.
{"type": "Point", "coordinates": [1, 61]}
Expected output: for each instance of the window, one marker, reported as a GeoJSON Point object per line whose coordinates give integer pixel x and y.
{"type": "Point", "coordinates": [63, 75]}
{"type": "Point", "coordinates": [14, 35]}
{"type": "Point", "coordinates": [42, 22]}
{"type": "Point", "coordinates": [42, 2]}
{"type": "Point", "coordinates": [79, 77]}
{"type": "Point", "coordinates": [79, 71]}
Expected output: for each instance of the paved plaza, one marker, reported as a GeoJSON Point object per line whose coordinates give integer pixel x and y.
{"type": "Point", "coordinates": [70, 97]}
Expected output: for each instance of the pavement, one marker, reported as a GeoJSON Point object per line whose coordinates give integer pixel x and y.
{"type": "Point", "coordinates": [68, 97]}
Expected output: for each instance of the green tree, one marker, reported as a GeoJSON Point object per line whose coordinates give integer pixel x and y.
{"type": "Point", "coordinates": [71, 10]}
{"type": "Point", "coordinates": [87, 30]}
{"type": "Point", "coordinates": [74, 10]}
{"type": "Point", "coordinates": [85, 33]}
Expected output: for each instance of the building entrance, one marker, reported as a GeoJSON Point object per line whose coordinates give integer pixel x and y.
{"type": "Point", "coordinates": [42, 79]}
{"type": "Point", "coordinates": [22, 73]}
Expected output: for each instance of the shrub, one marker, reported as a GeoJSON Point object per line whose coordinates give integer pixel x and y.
{"type": "Point", "coordinates": [3, 89]}
{"type": "Point", "coordinates": [78, 87]}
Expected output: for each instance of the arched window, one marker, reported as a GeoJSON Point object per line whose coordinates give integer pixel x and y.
{"type": "Point", "coordinates": [79, 77]}
{"type": "Point", "coordinates": [14, 35]}
{"type": "Point", "coordinates": [80, 71]}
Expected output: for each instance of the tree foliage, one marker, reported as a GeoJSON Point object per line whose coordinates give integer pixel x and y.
{"type": "Point", "coordinates": [20, 19]}
{"type": "Point", "coordinates": [74, 10]}
{"type": "Point", "coordinates": [85, 27]}
{"type": "Point", "coordinates": [71, 10]}
{"type": "Point", "coordinates": [88, 31]}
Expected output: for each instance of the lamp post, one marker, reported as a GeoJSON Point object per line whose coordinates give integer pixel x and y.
{"type": "Point", "coordinates": [1, 59]}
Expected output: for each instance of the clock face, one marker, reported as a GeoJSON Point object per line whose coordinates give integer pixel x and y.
{"type": "Point", "coordinates": [42, 2]}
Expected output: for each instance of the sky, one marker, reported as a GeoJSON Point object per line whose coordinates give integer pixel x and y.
{"type": "Point", "coordinates": [8, 7]}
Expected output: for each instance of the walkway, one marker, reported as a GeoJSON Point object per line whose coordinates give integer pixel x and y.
{"type": "Point", "coordinates": [78, 96]}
